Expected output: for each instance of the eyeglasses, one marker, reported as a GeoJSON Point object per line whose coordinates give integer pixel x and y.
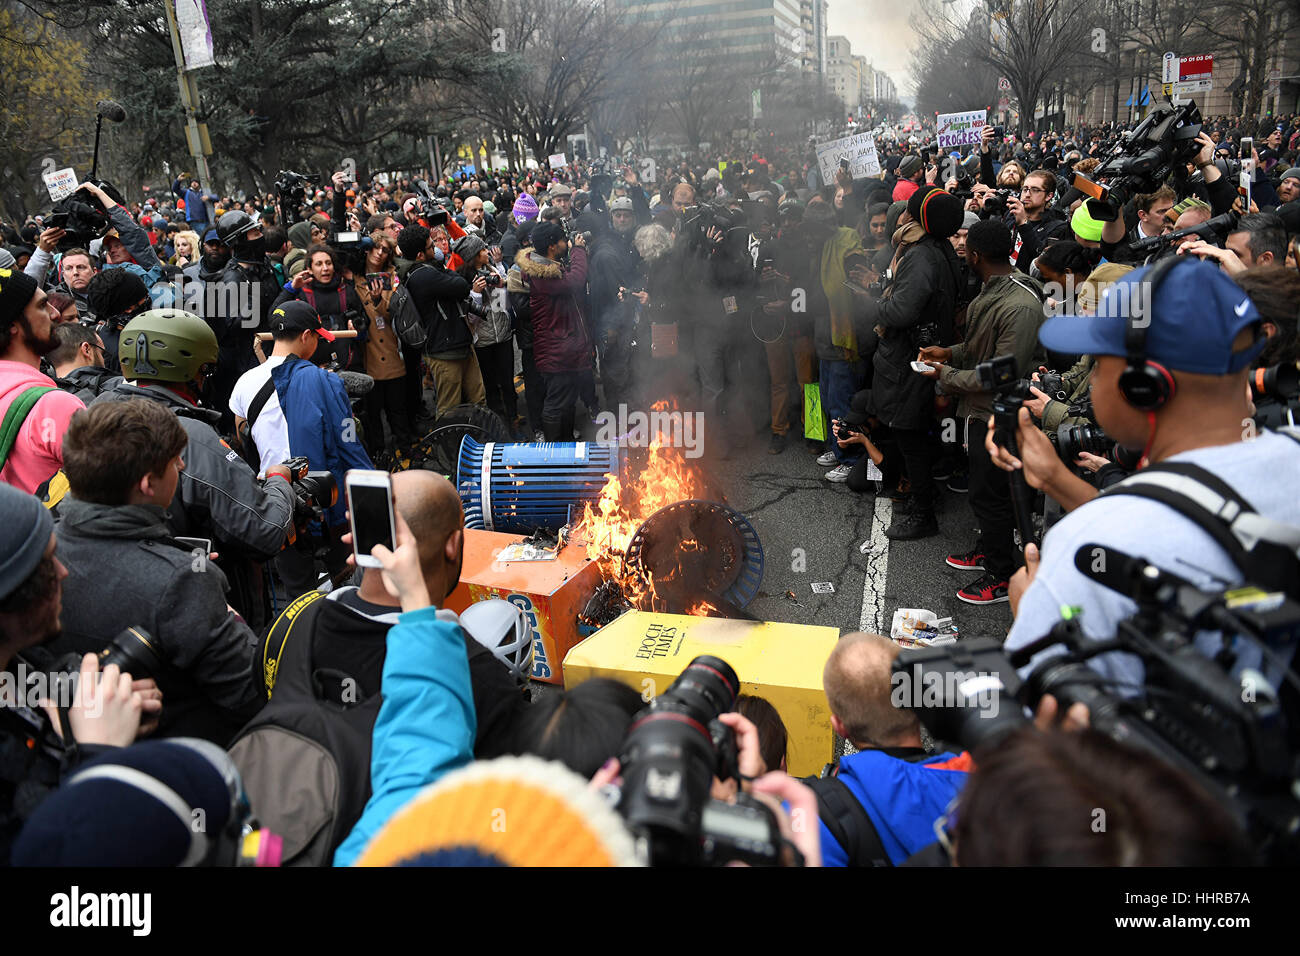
{"type": "Point", "coordinates": [1032, 189]}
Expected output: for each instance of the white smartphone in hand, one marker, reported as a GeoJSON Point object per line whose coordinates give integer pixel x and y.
{"type": "Point", "coordinates": [920, 367]}
{"type": "Point", "coordinates": [370, 513]}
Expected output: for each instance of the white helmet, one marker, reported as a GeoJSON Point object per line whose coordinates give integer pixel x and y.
{"type": "Point", "coordinates": [503, 629]}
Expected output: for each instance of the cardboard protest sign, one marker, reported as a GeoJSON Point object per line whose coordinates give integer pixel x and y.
{"type": "Point", "coordinates": [557, 161]}
{"type": "Point", "coordinates": [961, 129]}
{"type": "Point", "coordinates": [859, 150]}
{"type": "Point", "coordinates": [61, 183]}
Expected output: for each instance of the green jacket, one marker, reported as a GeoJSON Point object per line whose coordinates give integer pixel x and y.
{"type": "Point", "coordinates": [1002, 320]}
{"type": "Point", "coordinates": [1076, 384]}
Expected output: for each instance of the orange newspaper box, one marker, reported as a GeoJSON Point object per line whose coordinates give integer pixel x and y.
{"type": "Point", "coordinates": [550, 592]}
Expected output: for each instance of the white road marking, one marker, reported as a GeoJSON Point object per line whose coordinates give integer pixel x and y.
{"type": "Point", "coordinates": [874, 615]}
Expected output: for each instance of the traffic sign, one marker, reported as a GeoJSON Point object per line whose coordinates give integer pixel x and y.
{"type": "Point", "coordinates": [1196, 68]}
{"type": "Point", "coordinates": [1004, 85]}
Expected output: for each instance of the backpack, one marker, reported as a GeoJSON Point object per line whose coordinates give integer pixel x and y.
{"type": "Point", "coordinates": [16, 414]}
{"type": "Point", "coordinates": [404, 317]}
{"type": "Point", "coordinates": [244, 443]}
{"type": "Point", "coordinates": [848, 822]}
{"type": "Point", "coordinates": [1266, 552]}
{"type": "Point", "coordinates": [305, 759]}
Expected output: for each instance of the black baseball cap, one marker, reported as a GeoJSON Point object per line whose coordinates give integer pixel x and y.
{"type": "Point", "coordinates": [298, 316]}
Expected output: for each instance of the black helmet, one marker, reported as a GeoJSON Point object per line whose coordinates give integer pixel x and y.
{"type": "Point", "coordinates": [233, 225]}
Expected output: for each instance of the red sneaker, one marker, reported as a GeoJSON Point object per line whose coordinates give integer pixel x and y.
{"type": "Point", "coordinates": [987, 589]}
{"type": "Point", "coordinates": [973, 558]}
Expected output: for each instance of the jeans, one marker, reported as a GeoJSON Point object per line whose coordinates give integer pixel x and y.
{"type": "Point", "coordinates": [990, 499]}
{"type": "Point", "coordinates": [839, 381]}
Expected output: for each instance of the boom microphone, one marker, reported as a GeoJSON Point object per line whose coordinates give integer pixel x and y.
{"type": "Point", "coordinates": [111, 110]}
{"type": "Point", "coordinates": [356, 384]}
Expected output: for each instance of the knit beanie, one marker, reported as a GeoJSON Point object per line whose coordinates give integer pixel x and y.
{"type": "Point", "coordinates": [16, 290]}
{"type": "Point", "coordinates": [545, 235]}
{"type": "Point", "coordinates": [908, 166]}
{"type": "Point", "coordinates": [1084, 225]}
{"type": "Point", "coordinates": [525, 207]}
{"type": "Point", "coordinates": [28, 526]}
{"type": "Point", "coordinates": [938, 211]}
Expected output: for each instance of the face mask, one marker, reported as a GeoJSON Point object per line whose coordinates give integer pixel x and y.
{"type": "Point", "coordinates": [437, 254]}
{"type": "Point", "coordinates": [251, 250]}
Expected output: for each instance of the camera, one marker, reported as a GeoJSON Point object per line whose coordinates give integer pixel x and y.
{"type": "Point", "coordinates": [671, 754]}
{"type": "Point", "coordinates": [135, 652]}
{"type": "Point", "coordinates": [313, 491]}
{"type": "Point", "coordinates": [1072, 440]}
{"type": "Point", "coordinates": [1052, 384]}
{"type": "Point", "coordinates": [491, 277]}
{"type": "Point", "coordinates": [291, 187]}
{"type": "Point", "coordinates": [843, 431]}
{"type": "Point", "coordinates": [571, 230]}
{"type": "Point", "coordinates": [995, 203]}
{"type": "Point", "coordinates": [83, 217]}
{"type": "Point", "coordinates": [1141, 160]}
{"type": "Point", "coordinates": [1276, 392]}
{"type": "Point", "coordinates": [1009, 390]}
{"type": "Point", "coordinates": [1194, 712]}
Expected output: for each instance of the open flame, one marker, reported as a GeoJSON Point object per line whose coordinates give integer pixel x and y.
{"type": "Point", "coordinates": [607, 528]}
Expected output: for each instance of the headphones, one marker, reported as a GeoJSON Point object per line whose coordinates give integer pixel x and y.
{"type": "Point", "coordinates": [1146, 385]}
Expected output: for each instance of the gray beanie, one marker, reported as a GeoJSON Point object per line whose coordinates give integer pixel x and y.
{"type": "Point", "coordinates": [7, 259]}
{"type": "Point", "coordinates": [908, 166]}
{"type": "Point", "coordinates": [28, 526]}
{"type": "Point", "coordinates": [1292, 173]}
{"type": "Point", "coordinates": [970, 220]}
{"type": "Point", "coordinates": [468, 246]}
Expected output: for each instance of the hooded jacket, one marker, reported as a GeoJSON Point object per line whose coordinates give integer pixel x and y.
{"type": "Point", "coordinates": [37, 452]}
{"type": "Point", "coordinates": [1002, 320]}
{"type": "Point", "coordinates": [218, 495]}
{"type": "Point", "coordinates": [295, 260]}
{"type": "Point", "coordinates": [561, 342]}
{"type": "Point", "coordinates": [125, 570]}
{"type": "Point", "coordinates": [922, 296]}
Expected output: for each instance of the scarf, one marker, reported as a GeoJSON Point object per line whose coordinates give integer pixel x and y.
{"type": "Point", "coordinates": [842, 242]}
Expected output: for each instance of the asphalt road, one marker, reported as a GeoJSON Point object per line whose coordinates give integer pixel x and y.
{"type": "Point", "coordinates": [814, 531]}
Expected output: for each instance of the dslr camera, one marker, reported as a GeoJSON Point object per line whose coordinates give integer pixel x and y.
{"type": "Point", "coordinates": [313, 491]}
{"type": "Point", "coordinates": [672, 752]}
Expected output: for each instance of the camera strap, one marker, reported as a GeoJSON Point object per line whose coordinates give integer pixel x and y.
{"type": "Point", "coordinates": [848, 822]}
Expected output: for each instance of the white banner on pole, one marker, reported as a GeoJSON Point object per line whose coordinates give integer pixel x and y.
{"type": "Point", "coordinates": [960, 129]}
{"type": "Point", "coordinates": [196, 33]}
{"type": "Point", "coordinates": [859, 150]}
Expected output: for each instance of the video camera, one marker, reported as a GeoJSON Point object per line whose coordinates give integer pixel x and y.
{"type": "Point", "coordinates": [697, 220]}
{"type": "Point", "coordinates": [1228, 732]}
{"type": "Point", "coordinates": [313, 492]}
{"type": "Point", "coordinates": [83, 217]}
{"type": "Point", "coordinates": [672, 752]}
{"type": "Point", "coordinates": [291, 188]}
{"type": "Point", "coordinates": [1212, 230]}
{"type": "Point", "coordinates": [431, 210]}
{"type": "Point", "coordinates": [1141, 160]}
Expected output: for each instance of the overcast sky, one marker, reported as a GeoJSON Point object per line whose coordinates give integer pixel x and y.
{"type": "Point", "coordinates": [879, 30]}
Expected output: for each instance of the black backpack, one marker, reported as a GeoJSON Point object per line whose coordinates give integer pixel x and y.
{"type": "Point", "coordinates": [848, 822]}
{"type": "Point", "coordinates": [305, 758]}
{"type": "Point", "coordinates": [405, 317]}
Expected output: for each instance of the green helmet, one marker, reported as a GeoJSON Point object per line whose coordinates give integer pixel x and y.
{"type": "Point", "coordinates": [166, 345]}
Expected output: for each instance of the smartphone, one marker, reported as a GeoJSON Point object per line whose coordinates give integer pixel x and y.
{"type": "Point", "coordinates": [920, 367]}
{"type": "Point", "coordinates": [381, 279]}
{"type": "Point", "coordinates": [196, 544]}
{"type": "Point", "coordinates": [999, 133]}
{"type": "Point", "coordinates": [854, 287]}
{"type": "Point", "coordinates": [844, 165]}
{"type": "Point", "coordinates": [1247, 151]}
{"type": "Point", "coordinates": [370, 513]}
{"type": "Point", "coordinates": [1243, 190]}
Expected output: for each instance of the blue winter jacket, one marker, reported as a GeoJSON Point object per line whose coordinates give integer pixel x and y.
{"type": "Point", "coordinates": [319, 418]}
{"type": "Point", "coordinates": [426, 724]}
{"type": "Point", "coordinates": [902, 798]}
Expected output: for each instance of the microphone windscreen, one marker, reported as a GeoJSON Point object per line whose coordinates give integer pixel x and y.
{"type": "Point", "coordinates": [111, 110]}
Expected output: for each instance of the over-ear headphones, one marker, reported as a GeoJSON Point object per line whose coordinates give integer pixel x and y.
{"type": "Point", "coordinates": [1146, 385]}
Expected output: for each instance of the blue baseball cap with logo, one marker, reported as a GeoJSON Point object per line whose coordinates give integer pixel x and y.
{"type": "Point", "coordinates": [1195, 316]}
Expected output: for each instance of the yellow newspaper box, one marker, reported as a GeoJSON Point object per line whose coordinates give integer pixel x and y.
{"type": "Point", "coordinates": [779, 662]}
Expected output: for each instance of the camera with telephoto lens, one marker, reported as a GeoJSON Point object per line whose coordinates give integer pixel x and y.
{"type": "Point", "coordinates": [1141, 161]}
{"type": "Point", "coordinates": [672, 752]}
{"type": "Point", "coordinates": [1222, 720]}
{"type": "Point", "coordinates": [431, 210]}
{"type": "Point", "coordinates": [313, 491]}
{"type": "Point", "coordinates": [571, 230]}
{"type": "Point", "coordinates": [135, 652]}
{"type": "Point", "coordinates": [1276, 393]}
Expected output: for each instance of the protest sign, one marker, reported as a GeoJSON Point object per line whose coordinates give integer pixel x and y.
{"type": "Point", "coordinates": [961, 129]}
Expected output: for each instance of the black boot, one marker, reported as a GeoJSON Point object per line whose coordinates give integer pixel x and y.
{"type": "Point", "coordinates": [914, 524]}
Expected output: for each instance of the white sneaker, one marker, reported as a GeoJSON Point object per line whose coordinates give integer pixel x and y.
{"type": "Point", "coordinates": [839, 473]}
{"type": "Point", "coordinates": [826, 459]}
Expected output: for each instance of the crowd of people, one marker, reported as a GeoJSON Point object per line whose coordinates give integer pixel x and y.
{"type": "Point", "coordinates": [181, 376]}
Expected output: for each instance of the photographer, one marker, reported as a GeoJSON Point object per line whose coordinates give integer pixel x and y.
{"type": "Point", "coordinates": [1259, 239]}
{"type": "Point", "coordinates": [1002, 320]}
{"type": "Point", "coordinates": [1184, 402]}
{"type": "Point", "coordinates": [35, 752]}
{"type": "Point", "coordinates": [123, 461]}
{"type": "Point", "coordinates": [303, 412]}
{"type": "Point", "coordinates": [386, 361]}
{"type": "Point", "coordinates": [165, 356]}
{"type": "Point", "coordinates": [126, 245]}
{"type": "Point", "coordinates": [1033, 220]}
{"type": "Point", "coordinates": [915, 311]}
{"type": "Point", "coordinates": [562, 345]}
{"type": "Point", "coordinates": [322, 287]}
{"type": "Point", "coordinates": [440, 295]}
{"type": "Point", "coordinates": [116, 297]}
{"type": "Point", "coordinates": [614, 268]}
{"type": "Point", "coordinates": [493, 338]}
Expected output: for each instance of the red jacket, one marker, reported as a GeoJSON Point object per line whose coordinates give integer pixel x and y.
{"type": "Point", "coordinates": [561, 342]}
